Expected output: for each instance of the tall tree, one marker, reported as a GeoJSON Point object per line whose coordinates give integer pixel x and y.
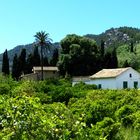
{"type": "Point", "coordinates": [78, 56]}
{"type": "Point", "coordinates": [107, 60]}
{"type": "Point", "coordinates": [54, 59]}
{"type": "Point", "coordinates": [43, 41]}
{"type": "Point", "coordinates": [5, 63]}
{"type": "Point", "coordinates": [15, 68]}
{"type": "Point", "coordinates": [110, 58]}
{"type": "Point", "coordinates": [36, 57]}
{"type": "Point", "coordinates": [22, 61]}
{"type": "Point", "coordinates": [114, 58]}
{"type": "Point", "coordinates": [29, 63]}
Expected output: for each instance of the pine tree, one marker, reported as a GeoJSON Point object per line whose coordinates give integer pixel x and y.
{"type": "Point", "coordinates": [5, 63]}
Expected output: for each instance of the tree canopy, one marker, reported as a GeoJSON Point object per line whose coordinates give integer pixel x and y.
{"type": "Point", "coordinates": [79, 55]}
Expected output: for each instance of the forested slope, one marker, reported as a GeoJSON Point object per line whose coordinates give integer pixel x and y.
{"type": "Point", "coordinates": [126, 57]}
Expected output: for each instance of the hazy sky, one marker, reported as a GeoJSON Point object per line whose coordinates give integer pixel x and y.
{"type": "Point", "coordinates": [21, 19]}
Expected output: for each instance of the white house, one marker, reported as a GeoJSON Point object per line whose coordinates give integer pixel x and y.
{"type": "Point", "coordinates": [118, 78]}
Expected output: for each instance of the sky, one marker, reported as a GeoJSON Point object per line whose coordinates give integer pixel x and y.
{"type": "Point", "coordinates": [21, 19]}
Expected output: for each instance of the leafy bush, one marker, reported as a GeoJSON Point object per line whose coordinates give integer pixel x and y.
{"type": "Point", "coordinates": [57, 110]}
{"type": "Point", "coordinates": [83, 86]}
{"type": "Point", "coordinates": [107, 128]}
{"type": "Point", "coordinates": [4, 89]}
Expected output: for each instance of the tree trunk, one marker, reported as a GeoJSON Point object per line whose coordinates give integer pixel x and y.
{"type": "Point", "coordinates": [42, 64]}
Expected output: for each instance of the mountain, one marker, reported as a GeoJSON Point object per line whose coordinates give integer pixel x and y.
{"type": "Point", "coordinates": [117, 36]}
{"type": "Point", "coordinates": [29, 49]}
{"type": "Point", "coordinates": [112, 37]}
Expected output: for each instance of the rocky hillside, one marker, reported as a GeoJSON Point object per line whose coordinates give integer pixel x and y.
{"type": "Point", "coordinates": [29, 49]}
{"type": "Point", "coordinates": [117, 36]}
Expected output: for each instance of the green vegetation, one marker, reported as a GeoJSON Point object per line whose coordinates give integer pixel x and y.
{"type": "Point", "coordinates": [81, 56]}
{"type": "Point", "coordinates": [124, 55]}
{"type": "Point", "coordinates": [43, 41]}
{"type": "Point", "coordinates": [53, 109]}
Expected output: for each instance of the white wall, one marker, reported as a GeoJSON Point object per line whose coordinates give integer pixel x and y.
{"type": "Point", "coordinates": [108, 83]}
{"type": "Point", "coordinates": [116, 83]}
{"type": "Point", "coordinates": [126, 77]}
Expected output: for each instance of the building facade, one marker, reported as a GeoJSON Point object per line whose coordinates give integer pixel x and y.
{"type": "Point", "coordinates": [119, 78]}
{"type": "Point", "coordinates": [48, 72]}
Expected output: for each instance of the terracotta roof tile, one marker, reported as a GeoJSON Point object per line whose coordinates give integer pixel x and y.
{"type": "Point", "coordinates": [108, 73]}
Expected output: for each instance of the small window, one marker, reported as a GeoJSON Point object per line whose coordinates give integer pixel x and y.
{"type": "Point", "coordinates": [125, 85]}
{"type": "Point", "coordinates": [136, 84]}
{"type": "Point", "coordinates": [99, 86]}
{"type": "Point", "coordinates": [130, 75]}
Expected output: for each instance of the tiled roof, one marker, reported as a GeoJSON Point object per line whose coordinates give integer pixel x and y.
{"type": "Point", "coordinates": [108, 73]}
{"type": "Point", "coordinates": [45, 68]}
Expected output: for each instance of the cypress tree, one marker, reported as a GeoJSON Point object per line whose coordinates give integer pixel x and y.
{"type": "Point", "coordinates": [5, 63]}
{"type": "Point", "coordinates": [107, 60]}
{"type": "Point", "coordinates": [22, 61]}
{"type": "Point", "coordinates": [102, 55]}
{"type": "Point", "coordinates": [29, 64]}
{"type": "Point", "coordinates": [15, 68]}
{"type": "Point", "coordinates": [36, 57]}
{"type": "Point", "coordinates": [114, 59]}
{"type": "Point", "coordinates": [54, 59]}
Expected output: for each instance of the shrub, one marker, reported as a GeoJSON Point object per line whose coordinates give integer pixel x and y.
{"type": "Point", "coordinates": [83, 86]}
{"type": "Point", "coordinates": [4, 88]}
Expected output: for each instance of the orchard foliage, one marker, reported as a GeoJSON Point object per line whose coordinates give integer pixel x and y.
{"type": "Point", "coordinates": [53, 109]}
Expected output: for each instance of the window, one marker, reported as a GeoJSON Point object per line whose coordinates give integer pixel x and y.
{"type": "Point", "coordinates": [99, 86]}
{"type": "Point", "coordinates": [135, 84]}
{"type": "Point", "coordinates": [125, 85]}
{"type": "Point", "coordinates": [130, 75]}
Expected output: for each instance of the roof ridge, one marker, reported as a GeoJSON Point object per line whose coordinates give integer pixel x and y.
{"type": "Point", "coordinates": [106, 73]}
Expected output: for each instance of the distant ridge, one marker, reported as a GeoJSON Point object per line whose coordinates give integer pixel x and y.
{"type": "Point", "coordinates": [117, 36]}
{"type": "Point", "coordinates": [29, 49]}
{"type": "Point", "coordinates": [112, 37]}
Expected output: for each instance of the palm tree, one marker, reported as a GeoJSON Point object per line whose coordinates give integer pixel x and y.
{"type": "Point", "coordinates": [43, 41]}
